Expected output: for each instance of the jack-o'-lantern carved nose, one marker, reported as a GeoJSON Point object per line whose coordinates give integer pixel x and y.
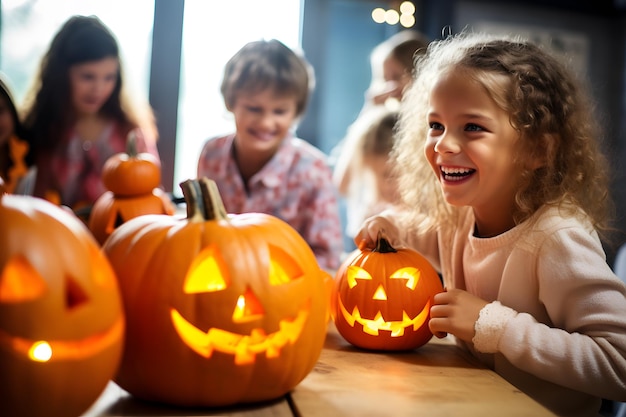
{"type": "Point", "coordinates": [248, 308]}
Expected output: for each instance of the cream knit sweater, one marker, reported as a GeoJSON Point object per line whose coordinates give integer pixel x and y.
{"type": "Point", "coordinates": [556, 324]}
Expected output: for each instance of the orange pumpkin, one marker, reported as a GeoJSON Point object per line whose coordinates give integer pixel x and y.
{"type": "Point", "coordinates": [132, 180]}
{"type": "Point", "coordinates": [61, 318]}
{"type": "Point", "coordinates": [382, 298]}
{"type": "Point", "coordinates": [221, 309]}
{"type": "Point", "coordinates": [131, 173]}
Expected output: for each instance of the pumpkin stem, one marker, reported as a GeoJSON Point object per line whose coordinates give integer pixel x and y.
{"type": "Point", "coordinates": [131, 144]}
{"type": "Point", "coordinates": [203, 200]}
{"type": "Point", "coordinates": [383, 245]}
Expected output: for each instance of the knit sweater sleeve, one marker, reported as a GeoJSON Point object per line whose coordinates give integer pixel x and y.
{"type": "Point", "coordinates": [581, 342]}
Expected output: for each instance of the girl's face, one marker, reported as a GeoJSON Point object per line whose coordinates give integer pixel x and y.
{"type": "Point", "coordinates": [395, 74]}
{"type": "Point", "coordinates": [263, 120]}
{"type": "Point", "coordinates": [471, 147]}
{"type": "Point", "coordinates": [7, 124]}
{"type": "Point", "coordinates": [92, 84]}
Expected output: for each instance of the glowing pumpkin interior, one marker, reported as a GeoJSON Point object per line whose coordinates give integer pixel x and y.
{"type": "Point", "coordinates": [410, 277]}
{"type": "Point", "coordinates": [382, 298]}
{"type": "Point", "coordinates": [209, 273]}
{"type": "Point", "coordinates": [21, 285]}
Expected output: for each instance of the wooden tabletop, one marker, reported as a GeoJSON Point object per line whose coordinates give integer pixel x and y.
{"type": "Point", "coordinates": [437, 379]}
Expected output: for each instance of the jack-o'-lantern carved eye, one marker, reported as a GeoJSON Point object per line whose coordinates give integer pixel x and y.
{"type": "Point", "coordinates": [410, 274]}
{"type": "Point", "coordinates": [20, 282]}
{"type": "Point", "coordinates": [283, 268]}
{"type": "Point", "coordinates": [208, 272]}
{"type": "Point", "coordinates": [355, 273]}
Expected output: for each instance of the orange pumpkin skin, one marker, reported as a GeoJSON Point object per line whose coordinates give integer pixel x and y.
{"type": "Point", "coordinates": [110, 211]}
{"type": "Point", "coordinates": [382, 298]}
{"type": "Point", "coordinates": [188, 342]}
{"type": "Point", "coordinates": [132, 180]}
{"type": "Point", "coordinates": [55, 286]}
{"type": "Point", "coordinates": [131, 173]}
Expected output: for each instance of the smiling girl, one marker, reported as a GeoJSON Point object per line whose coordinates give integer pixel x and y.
{"type": "Point", "coordinates": [78, 115]}
{"type": "Point", "coordinates": [499, 161]}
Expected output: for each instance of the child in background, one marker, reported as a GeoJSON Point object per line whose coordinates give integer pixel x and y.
{"type": "Point", "coordinates": [13, 149]}
{"type": "Point", "coordinates": [364, 175]}
{"type": "Point", "coordinates": [263, 167]}
{"type": "Point", "coordinates": [392, 68]}
{"type": "Point", "coordinates": [392, 72]}
{"type": "Point", "coordinates": [511, 218]}
{"type": "Point", "coordinates": [78, 115]}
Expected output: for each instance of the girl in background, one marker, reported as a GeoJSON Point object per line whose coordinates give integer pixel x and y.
{"type": "Point", "coordinates": [392, 73]}
{"type": "Point", "coordinates": [77, 114]}
{"type": "Point", "coordinates": [392, 68]}
{"type": "Point", "coordinates": [364, 176]}
{"type": "Point", "coordinates": [499, 162]}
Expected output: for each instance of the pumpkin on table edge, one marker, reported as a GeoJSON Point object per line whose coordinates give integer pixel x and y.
{"type": "Point", "coordinates": [132, 180]}
{"type": "Point", "coordinates": [382, 298]}
{"type": "Point", "coordinates": [61, 317]}
{"type": "Point", "coordinates": [221, 309]}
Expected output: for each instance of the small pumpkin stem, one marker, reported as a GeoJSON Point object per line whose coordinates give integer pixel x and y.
{"type": "Point", "coordinates": [131, 144]}
{"type": "Point", "coordinates": [383, 245]}
{"type": "Point", "coordinates": [203, 200]}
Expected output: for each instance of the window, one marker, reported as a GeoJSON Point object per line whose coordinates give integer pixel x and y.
{"type": "Point", "coordinates": [212, 33]}
{"type": "Point", "coordinates": [28, 28]}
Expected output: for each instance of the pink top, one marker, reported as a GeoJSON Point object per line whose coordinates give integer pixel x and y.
{"type": "Point", "coordinates": [295, 186]}
{"type": "Point", "coordinates": [556, 323]}
{"type": "Point", "coordinates": [74, 169]}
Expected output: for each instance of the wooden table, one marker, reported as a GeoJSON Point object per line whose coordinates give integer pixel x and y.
{"type": "Point", "coordinates": [438, 379]}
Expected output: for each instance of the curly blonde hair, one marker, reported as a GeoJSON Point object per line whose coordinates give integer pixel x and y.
{"type": "Point", "coordinates": [547, 106]}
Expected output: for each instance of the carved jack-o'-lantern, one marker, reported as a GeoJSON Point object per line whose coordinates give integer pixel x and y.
{"type": "Point", "coordinates": [61, 319]}
{"type": "Point", "coordinates": [382, 298]}
{"type": "Point", "coordinates": [221, 309]}
{"type": "Point", "coordinates": [132, 179]}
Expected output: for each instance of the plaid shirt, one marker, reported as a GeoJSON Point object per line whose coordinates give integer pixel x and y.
{"type": "Point", "coordinates": [73, 171]}
{"type": "Point", "coordinates": [295, 186]}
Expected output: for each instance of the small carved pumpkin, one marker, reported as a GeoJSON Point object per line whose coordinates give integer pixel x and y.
{"type": "Point", "coordinates": [221, 309]}
{"type": "Point", "coordinates": [382, 298]}
{"type": "Point", "coordinates": [61, 319]}
{"type": "Point", "coordinates": [132, 180]}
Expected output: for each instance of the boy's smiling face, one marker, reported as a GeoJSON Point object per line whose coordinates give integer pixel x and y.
{"type": "Point", "coordinates": [263, 120]}
{"type": "Point", "coordinates": [471, 147]}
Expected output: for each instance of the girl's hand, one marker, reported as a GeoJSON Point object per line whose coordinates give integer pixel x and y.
{"type": "Point", "coordinates": [456, 312]}
{"type": "Point", "coordinates": [367, 236]}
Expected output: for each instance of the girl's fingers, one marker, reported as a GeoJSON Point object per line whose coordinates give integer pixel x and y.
{"type": "Point", "coordinates": [434, 325]}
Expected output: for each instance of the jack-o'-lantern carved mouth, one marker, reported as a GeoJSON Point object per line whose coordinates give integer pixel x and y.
{"type": "Point", "coordinates": [243, 347]}
{"type": "Point", "coordinates": [63, 350]}
{"type": "Point", "coordinates": [372, 326]}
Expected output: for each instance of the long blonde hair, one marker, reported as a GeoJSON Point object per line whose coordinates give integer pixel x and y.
{"type": "Point", "coordinates": [547, 106]}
